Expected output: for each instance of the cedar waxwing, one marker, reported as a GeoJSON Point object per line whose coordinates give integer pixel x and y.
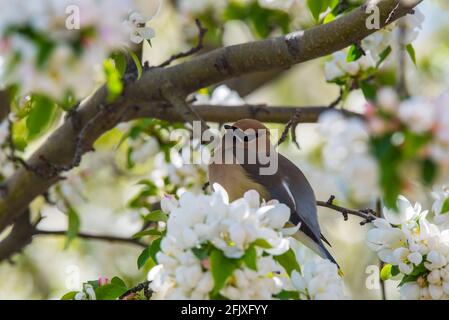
{"type": "Point", "coordinates": [287, 184]}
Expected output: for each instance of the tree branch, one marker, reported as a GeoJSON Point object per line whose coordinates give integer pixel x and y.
{"type": "Point", "coordinates": [128, 295]}
{"type": "Point", "coordinates": [4, 105]}
{"type": "Point", "coordinates": [18, 238]}
{"type": "Point", "coordinates": [201, 33]}
{"type": "Point", "coordinates": [222, 113]}
{"type": "Point", "coordinates": [90, 237]}
{"type": "Point", "coordinates": [368, 215]}
{"type": "Point", "coordinates": [208, 69]}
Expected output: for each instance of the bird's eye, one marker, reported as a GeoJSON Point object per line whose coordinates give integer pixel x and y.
{"type": "Point", "coordinates": [228, 127]}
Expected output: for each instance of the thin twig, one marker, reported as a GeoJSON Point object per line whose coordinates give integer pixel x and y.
{"type": "Point", "coordinates": [338, 100]}
{"type": "Point", "coordinates": [201, 33]}
{"type": "Point", "coordinates": [80, 148]}
{"type": "Point", "coordinates": [90, 237]}
{"type": "Point", "coordinates": [368, 215]}
{"type": "Point", "coordinates": [18, 161]}
{"type": "Point", "coordinates": [291, 126]}
{"type": "Point", "coordinates": [141, 286]}
{"type": "Point", "coordinates": [383, 291]}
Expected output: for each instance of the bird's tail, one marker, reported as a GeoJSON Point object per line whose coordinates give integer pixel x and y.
{"type": "Point", "coordinates": [317, 247]}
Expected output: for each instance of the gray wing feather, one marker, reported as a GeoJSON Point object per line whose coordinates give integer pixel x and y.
{"type": "Point", "coordinates": [290, 186]}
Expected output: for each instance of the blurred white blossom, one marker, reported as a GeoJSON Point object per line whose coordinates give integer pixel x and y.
{"type": "Point", "coordinates": [43, 55]}
{"type": "Point", "coordinates": [222, 95]}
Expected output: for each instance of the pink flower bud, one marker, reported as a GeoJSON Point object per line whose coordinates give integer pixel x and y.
{"type": "Point", "coordinates": [102, 280]}
{"type": "Point", "coordinates": [370, 110]}
{"type": "Point", "coordinates": [206, 263]}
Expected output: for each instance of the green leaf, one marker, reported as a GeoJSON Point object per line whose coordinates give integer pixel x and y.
{"type": "Point", "coordinates": [69, 295]}
{"type": "Point", "coordinates": [369, 91]}
{"type": "Point", "coordinates": [288, 261]}
{"type": "Point", "coordinates": [261, 20]}
{"type": "Point", "coordinates": [329, 18]}
{"type": "Point", "coordinates": [407, 278]}
{"type": "Point", "coordinates": [222, 268]}
{"type": "Point", "coordinates": [389, 158]}
{"type": "Point", "coordinates": [155, 247]}
{"type": "Point", "coordinates": [149, 252]}
{"type": "Point", "coordinates": [113, 80]}
{"type": "Point", "coordinates": [156, 216]}
{"type": "Point", "coordinates": [384, 55]}
{"type": "Point", "coordinates": [73, 225]}
{"type": "Point", "coordinates": [385, 273]}
{"type": "Point", "coordinates": [411, 52]}
{"type": "Point", "coordinates": [250, 258]}
{"type": "Point", "coordinates": [118, 282]}
{"type": "Point", "coordinates": [42, 113]}
{"type": "Point", "coordinates": [202, 252]}
{"type": "Point", "coordinates": [395, 271]}
{"type": "Point", "coordinates": [354, 53]}
{"type": "Point", "coordinates": [149, 232]}
{"type": "Point", "coordinates": [445, 207]}
{"type": "Point", "coordinates": [429, 171]}
{"type": "Point", "coordinates": [137, 63]}
{"type": "Point", "coordinates": [287, 295]}
{"type": "Point", "coordinates": [262, 243]}
{"type": "Point", "coordinates": [143, 257]}
{"type": "Point", "coordinates": [317, 7]}
{"type": "Point", "coordinates": [110, 291]}
{"type": "Point", "coordinates": [119, 62]}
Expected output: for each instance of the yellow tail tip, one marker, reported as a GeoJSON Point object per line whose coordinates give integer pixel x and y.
{"type": "Point", "coordinates": [340, 273]}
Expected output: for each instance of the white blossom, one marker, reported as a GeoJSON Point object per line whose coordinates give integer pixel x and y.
{"type": "Point", "coordinates": [416, 247]}
{"type": "Point", "coordinates": [339, 66]}
{"type": "Point", "coordinates": [136, 25]}
{"type": "Point", "coordinates": [418, 113]}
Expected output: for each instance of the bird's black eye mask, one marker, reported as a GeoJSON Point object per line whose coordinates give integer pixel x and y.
{"type": "Point", "coordinates": [240, 134]}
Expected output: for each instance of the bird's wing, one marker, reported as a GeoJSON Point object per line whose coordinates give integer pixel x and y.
{"type": "Point", "coordinates": [290, 186]}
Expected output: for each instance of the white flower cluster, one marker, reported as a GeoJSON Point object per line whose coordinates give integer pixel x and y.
{"type": "Point", "coordinates": [406, 30]}
{"type": "Point", "coordinates": [210, 221]}
{"type": "Point", "coordinates": [88, 293]}
{"type": "Point", "coordinates": [53, 47]}
{"type": "Point", "coordinates": [441, 215]}
{"type": "Point", "coordinates": [318, 278]}
{"type": "Point", "coordinates": [416, 248]}
{"type": "Point", "coordinates": [339, 67]}
{"type": "Point", "coordinates": [230, 227]}
{"type": "Point", "coordinates": [345, 153]}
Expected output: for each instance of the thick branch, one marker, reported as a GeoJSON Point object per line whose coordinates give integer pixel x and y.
{"type": "Point", "coordinates": [4, 104]}
{"type": "Point", "coordinates": [222, 114]}
{"type": "Point", "coordinates": [202, 71]}
{"type": "Point", "coordinates": [18, 238]}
